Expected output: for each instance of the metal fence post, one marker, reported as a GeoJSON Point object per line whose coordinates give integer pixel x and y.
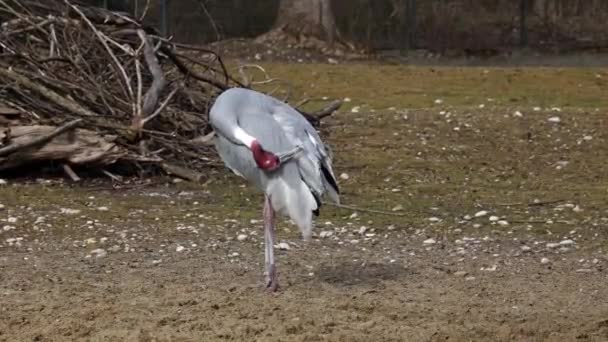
{"type": "Point", "coordinates": [408, 28]}
{"type": "Point", "coordinates": [164, 29]}
{"type": "Point", "coordinates": [523, 28]}
{"type": "Point", "coordinates": [412, 10]}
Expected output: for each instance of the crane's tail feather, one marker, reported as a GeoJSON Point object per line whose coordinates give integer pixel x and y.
{"type": "Point", "coordinates": [290, 196]}
{"type": "Point", "coordinates": [331, 185]}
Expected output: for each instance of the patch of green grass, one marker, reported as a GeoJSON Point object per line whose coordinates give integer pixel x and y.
{"type": "Point", "coordinates": [470, 157]}
{"type": "Point", "coordinates": [385, 86]}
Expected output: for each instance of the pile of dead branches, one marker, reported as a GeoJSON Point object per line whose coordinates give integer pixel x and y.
{"type": "Point", "coordinates": [84, 85]}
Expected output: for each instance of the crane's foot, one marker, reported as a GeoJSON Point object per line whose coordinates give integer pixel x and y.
{"type": "Point", "coordinates": [272, 279]}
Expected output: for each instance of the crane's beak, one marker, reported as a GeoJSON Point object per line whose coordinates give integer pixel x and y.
{"type": "Point", "coordinates": [287, 156]}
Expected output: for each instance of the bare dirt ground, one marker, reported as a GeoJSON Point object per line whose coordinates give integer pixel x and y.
{"type": "Point", "coordinates": [502, 235]}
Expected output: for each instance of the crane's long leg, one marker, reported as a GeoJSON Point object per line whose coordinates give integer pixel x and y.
{"type": "Point", "coordinates": [272, 281]}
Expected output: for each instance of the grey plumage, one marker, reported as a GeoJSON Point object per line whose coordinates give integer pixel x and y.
{"type": "Point", "coordinates": [298, 186]}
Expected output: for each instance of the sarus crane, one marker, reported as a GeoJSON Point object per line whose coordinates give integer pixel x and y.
{"type": "Point", "coordinates": [272, 146]}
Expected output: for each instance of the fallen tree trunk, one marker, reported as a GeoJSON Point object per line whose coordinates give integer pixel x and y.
{"type": "Point", "coordinates": [66, 144]}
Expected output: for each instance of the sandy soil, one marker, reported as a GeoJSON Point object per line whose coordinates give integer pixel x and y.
{"type": "Point", "coordinates": [188, 281]}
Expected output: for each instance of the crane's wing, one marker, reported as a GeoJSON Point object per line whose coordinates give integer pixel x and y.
{"type": "Point", "coordinates": [316, 163]}
{"type": "Point", "coordinates": [239, 158]}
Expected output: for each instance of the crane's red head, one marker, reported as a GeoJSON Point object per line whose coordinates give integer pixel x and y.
{"type": "Point", "coordinates": [265, 160]}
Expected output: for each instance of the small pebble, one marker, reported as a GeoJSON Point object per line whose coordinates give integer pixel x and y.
{"type": "Point", "coordinates": [494, 218]}
{"type": "Point", "coordinates": [566, 242]}
{"type": "Point", "coordinates": [430, 241]}
{"type": "Point", "coordinates": [461, 273]}
{"type": "Point", "coordinates": [69, 211]}
{"type": "Point", "coordinates": [554, 119]}
{"type": "Point", "coordinates": [11, 220]}
{"type": "Point", "coordinates": [490, 269]}
{"type": "Point", "coordinates": [99, 253]}
{"type": "Point", "coordinates": [283, 246]}
{"type": "Point", "coordinates": [503, 223]}
{"type": "Point", "coordinates": [2, 207]}
{"type": "Point", "coordinates": [103, 209]}
{"type": "Point", "coordinates": [241, 237]}
{"type": "Point", "coordinates": [481, 213]}
{"type": "Point", "coordinates": [180, 248]}
{"type": "Point", "coordinates": [344, 176]}
{"type": "Point", "coordinates": [545, 261]}
{"type": "Point", "coordinates": [526, 248]}
{"type": "Point", "coordinates": [326, 234]}
{"type": "Point", "coordinates": [3, 182]}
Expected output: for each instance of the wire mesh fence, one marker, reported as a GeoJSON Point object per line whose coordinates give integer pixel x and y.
{"type": "Point", "coordinates": [443, 26]}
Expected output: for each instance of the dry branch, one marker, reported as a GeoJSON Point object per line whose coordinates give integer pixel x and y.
{"type": "Point", "coordinates": [184, 173]}
{"type": "Point", "coordinates": [45, 92]}
{"type": "Point", "coordinates": [65, 60]}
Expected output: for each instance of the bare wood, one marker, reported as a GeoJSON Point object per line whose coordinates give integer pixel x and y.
{"type": "Point", "coordinates": [145, 11]}
{"type": "Point", "coordinates": [137, 111]}
{"type": "Point", "coordinates": [161, 107]}
{"type": "Point", "coordinates": [101, 38]}
{"type": "Point", "coordinates": [183, 172]}
{"type": "Point", "coordinates": [158, 83]}
{"type": "Point", "coordinates": [328, 110]}
{"type": "Point", "coordinates": [112, 176]}
{"type": "Point", "coordinates": [187, 71]}
{"type": "Point", "coordinates": [40, 140]}
{"type": "Point", "coordinates": [204, 139]}
{"type": "Point", "coordinates": [78, 147]}
{"type": "Point", "coordinates": [70, 105]}
{"type": "Point", "coordinates": [373, 211]}
{"type": "Point", "coordinates": [68, 170]}
{"type": "Point", "coordinates": [531, 204]}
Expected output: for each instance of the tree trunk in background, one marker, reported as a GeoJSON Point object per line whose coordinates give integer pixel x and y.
{"type": "Point", "coordinates": [307, 24]}
{"type": "Point", "coordinates": [309, 18]}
